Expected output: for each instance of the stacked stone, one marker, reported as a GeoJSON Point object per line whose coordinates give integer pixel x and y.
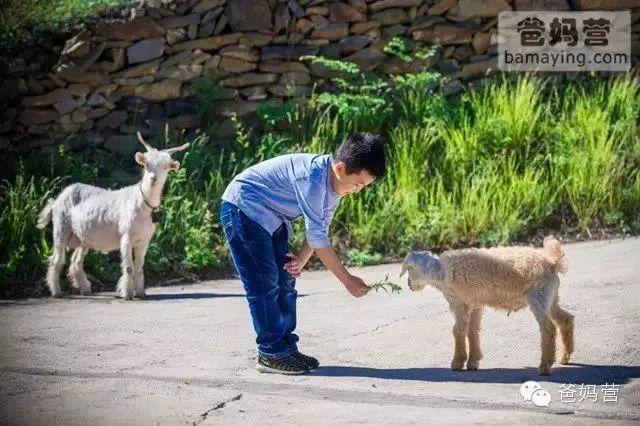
{"type": "Point", "coordinates": [119, 76]}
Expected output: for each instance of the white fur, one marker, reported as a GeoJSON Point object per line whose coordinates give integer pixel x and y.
{"type": "Point", "coordinates": [87, 217]}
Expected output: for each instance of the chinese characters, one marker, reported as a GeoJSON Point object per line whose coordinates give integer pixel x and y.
{"type": "Point", "coordinates": [532, 32]}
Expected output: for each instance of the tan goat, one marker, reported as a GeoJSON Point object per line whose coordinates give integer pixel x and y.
{"type": "Point", "coordinates": [507, 278]}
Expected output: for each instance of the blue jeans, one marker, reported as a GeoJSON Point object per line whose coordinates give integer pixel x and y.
{"type": "Point", "coordinates": [259, 258]}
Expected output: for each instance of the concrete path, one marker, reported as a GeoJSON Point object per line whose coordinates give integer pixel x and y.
{"type": "Point", "coordinates": [185, 356]}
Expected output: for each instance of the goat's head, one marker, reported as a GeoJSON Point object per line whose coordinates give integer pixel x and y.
{"type": "Point", "coordinates": [423, 268]}
{"type": "Point", "coordinates": [157, 163]}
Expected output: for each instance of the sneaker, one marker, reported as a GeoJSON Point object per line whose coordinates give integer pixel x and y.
{"type": "Point", "coordinates": [311, 362]}
{"type": "Point", "coordinates": [289, 364]}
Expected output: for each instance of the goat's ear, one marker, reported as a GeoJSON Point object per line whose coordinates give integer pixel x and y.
{"type": "Point", "coordinates": [408, 261]}
{"type": "Point", "coordinates": [140, 159]}
{"type": "Point", "coordinates": [404, 270]}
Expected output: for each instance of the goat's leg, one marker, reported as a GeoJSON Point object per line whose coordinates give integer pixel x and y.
{"type": "Point", "coordinates": [473, 334]}
{"type": "Point", "coordinates": [539, 304]}
{"type": "Point", "coordinates": [564, 321]}
{"type": "Point", "coordinates": [138, 274]}
{"type": "Point", "coordinates": [77, 275]}
{"type": "Point", "coordinates": [125, 284]}
{"type": "Point", "coordinates": [56, 262]}
{"type": "Point", "coordinates": [460, 328]}
{"type": "Point", "coordinates": [71, 272]}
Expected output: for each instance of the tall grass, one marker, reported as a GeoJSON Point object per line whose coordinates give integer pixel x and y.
{"type": "Point", "coordinates": [593, 149]}
{"type": "Point", "coordinates": [515, 158]}
{"type": "Point", "coordinates": [24, 248]}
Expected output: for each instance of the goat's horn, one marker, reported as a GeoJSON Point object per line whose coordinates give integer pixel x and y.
{"type": "Point", "coordinates": [176, 148]}
{"type": "Point", "coordinates": [146, 145]}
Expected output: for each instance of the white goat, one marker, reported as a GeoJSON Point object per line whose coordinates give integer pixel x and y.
{"type": "Point", "coordinates": [87, 217]}
{"type": "Point", "coordinates": [507, 278]}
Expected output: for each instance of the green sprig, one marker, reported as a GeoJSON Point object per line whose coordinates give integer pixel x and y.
{"type": "Point", "coordinates": [384, 284]}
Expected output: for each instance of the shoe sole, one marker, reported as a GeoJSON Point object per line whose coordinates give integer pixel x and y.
{"type": "Point", "coordinates": [269, 370]}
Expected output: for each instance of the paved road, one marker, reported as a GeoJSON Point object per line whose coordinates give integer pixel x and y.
{"type": "Point", "coordinates": [185, 356]}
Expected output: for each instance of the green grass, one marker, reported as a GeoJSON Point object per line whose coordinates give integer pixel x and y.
{"type": "Point", "coordinates": [20, 16]}
{"type": "Point", "coordinates": [23, 246]}
{"type": "Point", "coordinates": [514, 159]}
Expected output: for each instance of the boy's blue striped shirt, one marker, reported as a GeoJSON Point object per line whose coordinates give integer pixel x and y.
{"type": "Point", "coordinates": [284, 188]}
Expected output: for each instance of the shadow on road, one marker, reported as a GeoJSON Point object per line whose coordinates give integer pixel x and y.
{"type": "Point", "coordinates": [573, 373]}
{"type": "Point", "coordinates": [179, 296]}
{"type": "Point", "coordinates": [107, 298]}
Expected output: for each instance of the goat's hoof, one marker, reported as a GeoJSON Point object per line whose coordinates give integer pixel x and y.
{"type": "Point", "coordinates": [544, 370]}
{"type": "Point", "coordinates": [473, 365]}
{"type": "Point", "coordinates": [566, 359]}
{"type": "Point", "coordinates": [142, 295]}
{"type": "Point", "coordinates": [85, 289]}
{"type": "Point", "coordinates": [457, 365]}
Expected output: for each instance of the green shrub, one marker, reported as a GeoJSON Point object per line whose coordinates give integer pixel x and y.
{"type": "Point", "coordinates": [17, 16]}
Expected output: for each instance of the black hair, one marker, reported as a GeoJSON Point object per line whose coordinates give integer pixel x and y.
{"type": "Point", "coordinates": [363, 151]}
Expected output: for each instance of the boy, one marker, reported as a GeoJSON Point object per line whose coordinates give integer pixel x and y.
{"type": "Point", "coordinates": [256, 211]}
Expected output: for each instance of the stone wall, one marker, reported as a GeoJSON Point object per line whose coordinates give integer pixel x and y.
{"type": "Point", "coordinates": [117, 76]}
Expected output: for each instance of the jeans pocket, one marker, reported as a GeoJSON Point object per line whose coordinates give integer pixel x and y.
{"type": "Point", "coordinates": [227, 226]}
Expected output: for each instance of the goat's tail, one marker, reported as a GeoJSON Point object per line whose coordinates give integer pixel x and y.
{"type": "Point", "coordinates": [553, 253]}
{"type": "Point", "coordinates": [45, 215]}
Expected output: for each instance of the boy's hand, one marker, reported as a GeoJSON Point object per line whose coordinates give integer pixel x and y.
{"type": "Point", "coordinates": [294, 265]}
{"type": "Point", "coordinates": [356, 286]}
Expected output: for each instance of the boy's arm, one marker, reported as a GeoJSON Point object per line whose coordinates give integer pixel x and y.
{"type": "Point", "coordinates": [305, 252]}
{"type": "Point", "coordinates": [310, 196]}
{"type": "Point", "coordinates": [296, 262]}
{"type": "Point", "coordinates": [356, 286]}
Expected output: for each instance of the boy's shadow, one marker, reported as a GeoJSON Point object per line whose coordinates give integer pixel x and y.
{"type": "Point", "coordinates": [180, 296]}
{"type": "Point", "coordinates": [573, 373]}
